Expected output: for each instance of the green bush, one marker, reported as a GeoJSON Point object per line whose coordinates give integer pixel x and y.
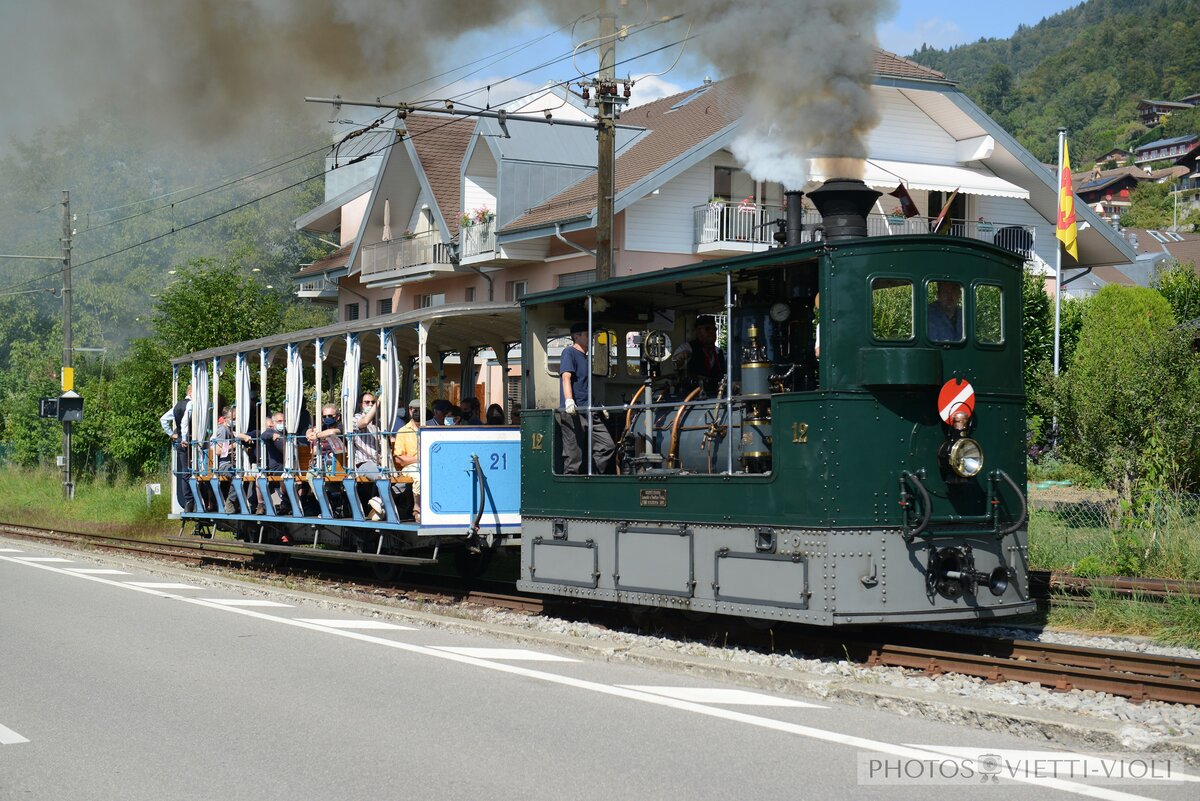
{"type": "Point", "coordinates": [1132, 384]}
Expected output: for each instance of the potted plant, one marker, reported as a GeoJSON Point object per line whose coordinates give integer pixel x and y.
{"type": "Point", "coordinates": [896, 216]}
{"type": "Point", "coordinates": [984, 227]}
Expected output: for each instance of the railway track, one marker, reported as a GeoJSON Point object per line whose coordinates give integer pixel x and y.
{"type": "Point", "coordinates": [1138, 677]}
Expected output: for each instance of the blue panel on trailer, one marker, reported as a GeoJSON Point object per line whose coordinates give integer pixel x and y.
{"type": "Point", "coordinates": [450, 493]}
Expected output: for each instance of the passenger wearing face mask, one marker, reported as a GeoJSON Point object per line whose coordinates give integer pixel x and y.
{"type": "Point", "coordinates": [453, 416]}
{"type": "Point", "coordinates": [328, 455]}
{"type": "Point", "coordinates": [274, 440]}
{"type": "Point", "coordinates": [366, 454]}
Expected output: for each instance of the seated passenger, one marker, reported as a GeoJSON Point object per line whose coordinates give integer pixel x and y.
{"type": "Point", "coordinates": [495, 415]}
{"type": "Point", "coordinates": [700, 357]}
{"type": "Point", "coordinates": [407, 454]}
{"type": "Point", "coordinates": [274, 441]}
{"type": "Point", "coordinates": [366, 453]}
{"type": "Point", "coordinates": [575, 390]}
{"type": "Point", "coordinates": [470, 412]}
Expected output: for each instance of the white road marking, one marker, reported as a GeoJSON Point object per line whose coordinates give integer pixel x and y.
{"type": "Point", "coordinates": [719, 695]}
{"type": "Point", "coordinates": [10, 737]}
{"type": "Point", "coordinates": [355, 624]}
{"type": "Point", "coordinates": [11, 550]}
{"type": "Point", "coordinates": [42, 559]}
{"type": "Point", "coordinates": [161, 585]}
{"type": "Point", "coordinates": [98, 571]}
{"type": "Point", "coordinates": [506, 654]}
{"type": "Point", "coordinates": [244, 602]}
{"type": "Point", "coordinates": [811, 732]}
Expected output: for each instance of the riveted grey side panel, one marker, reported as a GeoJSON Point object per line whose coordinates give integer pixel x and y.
{"type": "Point", "coordinates": [655, 560]}
{"type": "Point", "coordinates": [560, 562]}
{"type": "Point", "coordinates": [753, 578]}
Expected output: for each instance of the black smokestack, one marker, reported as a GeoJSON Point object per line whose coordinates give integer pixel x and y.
{"type": "Point", "coordinates": [844, 204]}
{"type": "Point", "coordinates": [794, 205]}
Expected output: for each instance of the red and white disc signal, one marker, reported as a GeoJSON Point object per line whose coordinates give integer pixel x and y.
{"type": "Point", "coordinates": [957, 395]}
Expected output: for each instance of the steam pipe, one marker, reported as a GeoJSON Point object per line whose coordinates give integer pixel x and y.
{"type": "Point", "coordinates": [674, 446]}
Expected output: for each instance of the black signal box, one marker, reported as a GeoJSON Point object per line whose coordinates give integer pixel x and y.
{"type": "Point", "coordinates": [48, 407]}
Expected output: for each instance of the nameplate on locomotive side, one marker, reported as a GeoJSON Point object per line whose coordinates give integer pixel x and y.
{"type": "Point", "coordinates": [653, 497]}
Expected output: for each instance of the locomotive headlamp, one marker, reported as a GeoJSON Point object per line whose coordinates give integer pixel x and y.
{"type": "Point", "coordinates": [966, 457]}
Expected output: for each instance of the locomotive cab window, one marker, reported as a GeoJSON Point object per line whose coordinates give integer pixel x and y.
{"type": "Point", "coordinates": [944, 311]}
{"type": "Point", "coordinates": [892, 309]}
{"type": "Point", "coordinates": [989, 314]}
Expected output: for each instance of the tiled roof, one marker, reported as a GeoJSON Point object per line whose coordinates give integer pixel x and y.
{"type": "Point", "coordinates": [1167, 173]}
{"type": "Point", "coordinates": [333, 261]}
{"type": "Point", "coordinates": [673, 132]}
{"type": "Point", "coordinates": [1188, 249]}
{"type": "Point", "coordinates": [1111, 275]}
{"type": "Point", "coordinates": [441, 143]}
{"type": "Point", "coordinates": [1085, 182]}
{"type": "Point", "coordinates": [893, 66]}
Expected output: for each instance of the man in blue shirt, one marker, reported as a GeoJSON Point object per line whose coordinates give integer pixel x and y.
{"type": "Point", "coordinates": [945, 314]}
{"type": "Point", "coordinates": [575, 393]}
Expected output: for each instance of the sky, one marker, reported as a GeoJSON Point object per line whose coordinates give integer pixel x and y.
{"type": "Point", "coordinates": [940, 24]}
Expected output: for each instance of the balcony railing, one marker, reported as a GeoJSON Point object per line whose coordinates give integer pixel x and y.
{"type": "Point", "coordinates": [478, 238]}
{"type": "Point", "coordinates": [750, 224]}
{"type": "Point", "coordinates": [317, 287]}
{"type": "Point", "coordinates": [397, 254]}
{"type": "Point", "coordinates": [721, 221]}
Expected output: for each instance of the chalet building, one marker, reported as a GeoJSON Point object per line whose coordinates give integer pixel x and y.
{"type": "Point", "coordinates": [1109, 192]}
{"type": "Point", "coordinates": [1116, 156]}
{"type": "Point", "coordinates": [1153, 112]}
{"type": "Point", "coordinates": [467, 210]}
{"type": "Point", "coordinates": [1165, 149]}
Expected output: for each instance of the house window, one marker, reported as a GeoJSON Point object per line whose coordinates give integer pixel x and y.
{"type": "Point", "coordinates": [469, 295]}
{"type": "Point", "coordinates": [515, 290]}
{"type": "Point", "coordinates": [385, 306]}
{"type": "Point", "coordinates": [430, 300]}
{"type": "Point", "coordinates": [351, 312]}
{"type": "Point", "coordinates": [575, 279]}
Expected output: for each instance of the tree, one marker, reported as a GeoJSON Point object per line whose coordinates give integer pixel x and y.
{"type": "Point", "coordinates": [1038, 328]}
{"type": "Point", "coordinates": [1129, 401]}
{"type": "Point", "coordinates": [214, 304]}
{"type": "Point", "coordinates": [1180, 285]}
{"type": "Point", "coordinates": [1151, 206]}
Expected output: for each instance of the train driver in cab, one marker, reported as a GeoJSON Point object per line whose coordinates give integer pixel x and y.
{"type": "Point", "coordinates": [700, 357]}
{"type": "Point", "coordinates": [945, 315]}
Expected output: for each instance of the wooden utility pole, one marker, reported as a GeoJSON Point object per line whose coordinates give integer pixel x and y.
{"type": "Point", "coordinates": [68, 372]}
{"type": "Point", "coordinates": [606, 104]}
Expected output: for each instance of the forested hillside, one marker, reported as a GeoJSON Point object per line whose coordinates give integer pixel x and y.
{"type": "Point", "coordinates": [1083, 69]}
{"type": "Point", "coordinates": [127, 189]}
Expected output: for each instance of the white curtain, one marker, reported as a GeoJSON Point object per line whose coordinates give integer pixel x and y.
{"type": "Point", "coordinates": [242, 401]}
{"type": "Point", "coordinates": [350, 387]}
{"type": "Point", "coordinates": [390, 381]}
{"type": "Point", "coordinates": [294, 398]}
{"type": "Point", "coordinates": [200, 405]}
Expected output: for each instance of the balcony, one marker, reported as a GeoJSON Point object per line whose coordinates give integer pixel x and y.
{"type": "Point", "coordinates": [728, 229]}
{"type": "Point", "coordinates": [407, 258]}
{"type": "Point", "coordinates": [320, 288]}
{"type": "Point", "coordinates": [478, 241]}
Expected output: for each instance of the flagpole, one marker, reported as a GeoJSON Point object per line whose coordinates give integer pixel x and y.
{"type": "Point", "coordinates": [1058, 249]}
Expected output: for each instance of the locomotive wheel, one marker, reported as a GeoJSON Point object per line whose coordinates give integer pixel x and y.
{"type": "Point", "coordinates": [271, 560]}
{"type": "Point", "coordinates": [385, 571]}
{"type": "Point", "coordinates": [473, 565]}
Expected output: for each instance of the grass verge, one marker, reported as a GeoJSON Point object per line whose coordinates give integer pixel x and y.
{"type": "Point", "coordinates": [34, 497]}
{"type": "Point", "coordinates": [1174, 621]}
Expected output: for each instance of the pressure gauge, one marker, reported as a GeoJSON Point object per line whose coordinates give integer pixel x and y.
{"type": "Point", "coordinates": [780, 312]}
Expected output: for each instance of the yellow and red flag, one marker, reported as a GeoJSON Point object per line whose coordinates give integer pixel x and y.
{"type": "Point", "coordinates": [942, 223]}
{"type": "Point", "coordinates": [1068, 231]}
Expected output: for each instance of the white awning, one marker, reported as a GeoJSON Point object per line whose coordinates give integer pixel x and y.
{"type": "Point", "coordinates": [932, 177]}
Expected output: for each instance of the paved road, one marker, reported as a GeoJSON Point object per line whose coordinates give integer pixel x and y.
{"type": "Point", "coordinates": [117, 684]}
